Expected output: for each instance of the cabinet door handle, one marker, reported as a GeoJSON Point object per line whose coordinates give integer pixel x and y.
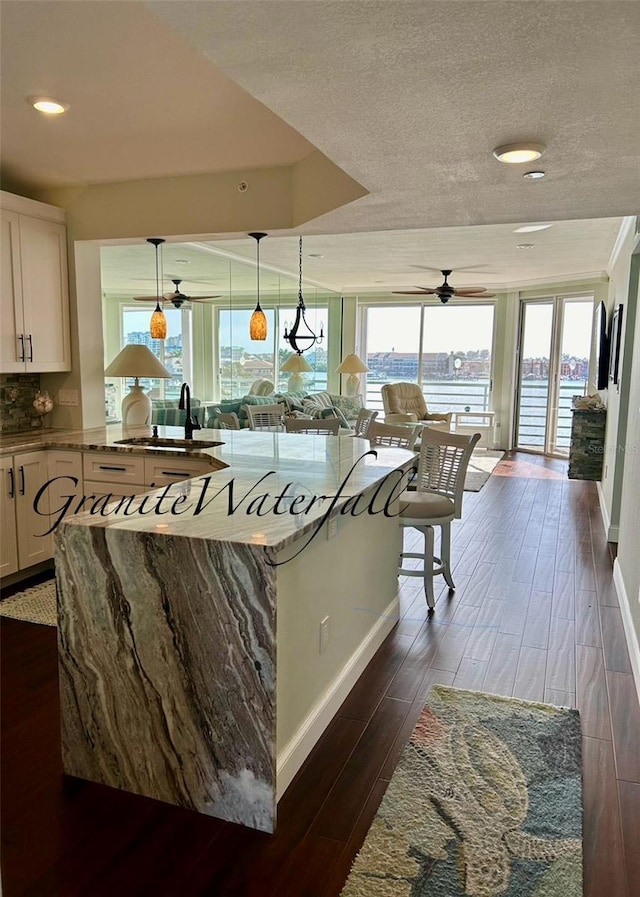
{"type": "Point", "coordinates": [30, 347]}
{"type": "Point", "coordinates": [21, 338]}
{"type": "Point", "coordinates": [21, 480]}
{"type": "Point", "coordinates": [109, 467]}
{"type": "Point", "coordinates": [173, 473]}
{"type": "Point", "coordinates": [12, 485]}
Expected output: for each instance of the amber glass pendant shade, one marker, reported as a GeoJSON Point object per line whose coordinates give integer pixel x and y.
{"type": "Point", "coordinates": [258, 324]}
{"type": "Point", "coordinates": [158, 326]}
{"type": "Point", "coordinates": [258, 321]}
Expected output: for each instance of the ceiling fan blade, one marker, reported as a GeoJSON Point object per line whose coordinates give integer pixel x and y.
{"type": "Point", "coordinates": [412, 292]}
{"type": "Point", "coordinates": [475, 295]}
{"type": "Point", "coordinates": [201, 298]}
{"type": "Point", "coordinates": [148, 298]}
{"type": "Point", "coordinates": [472, 290]}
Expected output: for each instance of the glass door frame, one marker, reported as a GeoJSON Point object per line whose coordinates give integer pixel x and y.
{"type": "Point", "coordinates": [558, 303]}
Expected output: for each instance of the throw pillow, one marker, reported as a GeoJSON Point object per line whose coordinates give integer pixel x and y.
{"type": "Point", "coordinates": [349, 405]}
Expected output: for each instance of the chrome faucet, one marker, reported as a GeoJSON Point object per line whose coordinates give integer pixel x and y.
{"type": "Point", "coordinates": [190, 423]}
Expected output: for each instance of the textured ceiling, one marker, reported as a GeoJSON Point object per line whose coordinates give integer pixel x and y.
{"type": "Point", "coordinates": [410, 98]}
{"type": "Point", "coordinates": [372, 261]}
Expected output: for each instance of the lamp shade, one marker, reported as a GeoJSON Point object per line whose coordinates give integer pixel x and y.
{"type": "Point", "coordinates": [296, 363]}
{"type": "Point", "coordinates": [136, 361]}
{"type": "Point", "coordinates": [351, 364]}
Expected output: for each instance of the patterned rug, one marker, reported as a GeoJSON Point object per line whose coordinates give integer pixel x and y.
{"type": "Point", "coordinates": [486, 801]}
{"type": "Point", "coordinates": [481, 465]}
{"type": "Point", "coordinates": [35, 605]}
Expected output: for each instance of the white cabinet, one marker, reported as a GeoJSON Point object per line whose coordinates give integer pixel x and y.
{"type": "Point", "coordinates": [34, 297]}
{"type": "Point", "coordinates": [9, 539]}
{"type": "Point", "coordinates": [24, 521]}
{"type": "Point", "coordinates": [160, 471]}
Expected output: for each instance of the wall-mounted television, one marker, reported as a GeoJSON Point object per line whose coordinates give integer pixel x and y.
{"type": "Point", "coordinates": [615, 339]}
{"type": "Point", "coordinates": [602, 347]}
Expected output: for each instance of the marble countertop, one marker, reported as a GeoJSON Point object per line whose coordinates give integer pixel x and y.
{"type": "Point", "coordinates": [264, 488]}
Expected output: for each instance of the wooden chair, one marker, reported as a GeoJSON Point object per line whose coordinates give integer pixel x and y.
{"type": "Point", "coordinates": [227, 420]}
{"type": "Point", "coordinates": [388, 434]}
{"type": "Point", "coordinates": [265, 417]}
{"type": "Point", "coordinates": [328, 426]}
{"type": "Point", "coordinates": [442, 466]}
{"type": "Point", "coordinates": [363, 422]}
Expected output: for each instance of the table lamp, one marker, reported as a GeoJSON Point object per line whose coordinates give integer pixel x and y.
{"type": "Point", "coordinates": [353, 366]}
{"type": "Point", "coordinates": [136, 361]}
{"type": "Point", "coordinates": [295, 364]}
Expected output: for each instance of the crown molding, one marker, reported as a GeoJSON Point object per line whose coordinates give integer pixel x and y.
{"type": "Point", "coordinates": [628, 226]}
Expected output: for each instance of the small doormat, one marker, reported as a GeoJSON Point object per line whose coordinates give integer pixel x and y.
{"type": "Point", "coordinates": [481, 465]}
{"type": "Point", "coordinates": [34, 605]}
{"type": "Point", "coordinates": [486, 801]}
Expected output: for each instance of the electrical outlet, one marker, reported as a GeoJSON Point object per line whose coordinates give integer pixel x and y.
{"type": "Point", "coordinates": [68, 397]}
{"type": "Point", "coordinates": [325, 634]}
{"type": "Point", "coordinates": [332, 527]}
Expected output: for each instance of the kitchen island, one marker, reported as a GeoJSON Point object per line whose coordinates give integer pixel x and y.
{"type": "Point", "coordinates": [209, 631]}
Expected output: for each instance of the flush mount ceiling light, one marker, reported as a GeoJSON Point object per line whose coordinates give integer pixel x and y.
{"type": "Point", "coordinates": [158, 324]}
{"type": "Point", "coordinates": [531, 228]}
{"type": "Point", "coordinates": [525, 246]}
{"type": "Point", "coordinates": [533, 175]}
{"type": "Point", "coordinates": [301, 333]}
{"type": "Point", "coordinates": [258, 322]}
{"type": "Point", "coordinates": [48, 105]}
{"type": "Point", "coordinates": [315, 255]}
{"type": "Point", "coordinates": [515, 153]}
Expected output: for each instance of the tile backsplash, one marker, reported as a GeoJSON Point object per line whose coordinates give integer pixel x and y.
{"type": "Point", "coordinates": [17, 392]}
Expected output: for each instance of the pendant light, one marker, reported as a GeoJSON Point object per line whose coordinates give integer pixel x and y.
{"type": "Point", "coordinates": [258, 322]}
{"type": "Point", "coordinates": [301, 332]}
{"type": "Point", "coordinates": [158, 325]}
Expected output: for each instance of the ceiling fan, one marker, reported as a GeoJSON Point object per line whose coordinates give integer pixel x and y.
{"type": "Point", "coordinates": [178, 298]}
{"type": "Point", "coordinates": [445, 291]}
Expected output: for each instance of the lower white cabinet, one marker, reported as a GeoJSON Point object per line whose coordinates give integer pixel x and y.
{"type": "Point", "coordinates": [25, 540]}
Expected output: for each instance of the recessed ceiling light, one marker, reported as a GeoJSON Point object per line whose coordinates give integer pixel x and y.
{"type": "Point", "coordinates": [531, 228]}
{"type": "Point", "coordinates": [48, 105]}
{"type": "Point", "coordinates": [315, 255]}
{"type": "Point", "coordinates": [533, 175]}
{"type": "Point", "coordinates": [525, 246]}
{"type": "Point", "coordinates": [514, 153]}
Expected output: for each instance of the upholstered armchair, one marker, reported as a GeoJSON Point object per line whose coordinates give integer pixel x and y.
{"type": "Point", "coordinates": [404, 404]}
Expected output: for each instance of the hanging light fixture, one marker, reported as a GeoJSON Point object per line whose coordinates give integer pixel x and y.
{"type": "Point", "coordinates": [258, 322]}
{"type": "Point", "coordinates": [301, 332]}
{"type": "Point", "coordinates": [158, 325]}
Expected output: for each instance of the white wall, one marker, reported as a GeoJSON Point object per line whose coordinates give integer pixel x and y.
{"type": "Point", "coordinates": [627, 565]}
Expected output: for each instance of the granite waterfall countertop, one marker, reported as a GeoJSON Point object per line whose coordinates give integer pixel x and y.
{"type": "Point", "coordinates": [238, 501]}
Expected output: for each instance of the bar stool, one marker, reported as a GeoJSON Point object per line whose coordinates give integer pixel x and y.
{"type": "Point", "coordinates": [442, 466]}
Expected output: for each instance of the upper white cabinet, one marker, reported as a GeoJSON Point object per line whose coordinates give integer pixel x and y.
{"type": "Point", "coordinates": [34, 297]}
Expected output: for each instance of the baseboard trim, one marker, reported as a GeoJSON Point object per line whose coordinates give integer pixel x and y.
{"type": "Point", "coordinates": [629, 629]}
{"type": "Point", "coordinates": [611, 532]}
{"type": "Point", "coordinates": [301, 744]}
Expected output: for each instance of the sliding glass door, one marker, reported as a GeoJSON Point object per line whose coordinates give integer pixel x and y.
{"type": "Point", "coordinates": [553, 366]}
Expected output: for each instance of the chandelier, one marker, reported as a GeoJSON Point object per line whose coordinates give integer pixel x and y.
{"type": "Point", "coordinates": [301, 334]}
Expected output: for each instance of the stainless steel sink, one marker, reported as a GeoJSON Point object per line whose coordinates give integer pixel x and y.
{"type": "Point", "coordinates": [161, 443]}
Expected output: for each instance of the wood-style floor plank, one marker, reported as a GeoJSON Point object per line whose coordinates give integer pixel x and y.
{"type": "Point", "coordinates": [629, 797]}
{"type": "Point", "coordinates": [592, 698]}
{"type": "Point", "coordinates": [614, 643]}
{"type": "Point", "coordinates": [625, 721]}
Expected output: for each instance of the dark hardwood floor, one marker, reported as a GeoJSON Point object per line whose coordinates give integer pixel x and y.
{"type": "Point", "coordinates": [535, 615]}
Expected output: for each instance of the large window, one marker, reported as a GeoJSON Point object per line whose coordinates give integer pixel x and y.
{"type": "Point", "coordinates": [447, 349]}
{"type": "Point", "coordinates": [243, 360]}
{"type": "Point", "coordinates": [174, 352]}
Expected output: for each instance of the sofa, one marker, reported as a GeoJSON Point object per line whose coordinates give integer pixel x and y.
{"type": "Point", "coordinates": [319, 405]}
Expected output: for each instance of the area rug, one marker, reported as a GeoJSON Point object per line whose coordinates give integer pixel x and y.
{"type": "Point", "coordinates": [481, 465]}
{"type": "Point", "coordinates": [35, 605]}
{"type": "Point", "coordinates": [486, 801]}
